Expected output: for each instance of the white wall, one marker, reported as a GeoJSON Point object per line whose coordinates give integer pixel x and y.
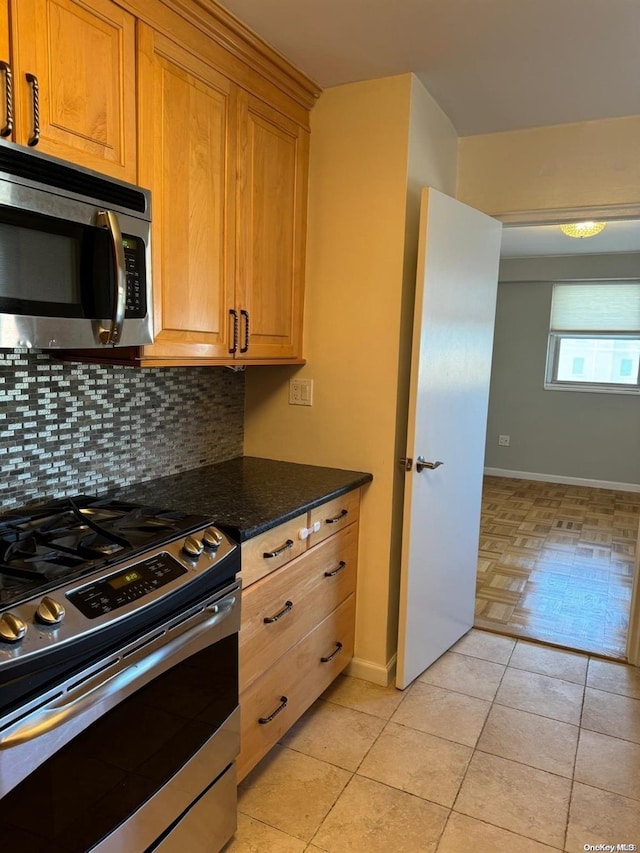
{"type": "Point", "coordinates": [526, 175]}
{"type": "Point", "coordinates": [591, 163]}
{"type": "Point", "coordinates": [559, 434]}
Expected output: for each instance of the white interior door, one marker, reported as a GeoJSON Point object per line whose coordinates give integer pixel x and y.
{"type": "Point", "coordinates": [450, 372]}
{"type": "Point", "coordinates": [633, 637]}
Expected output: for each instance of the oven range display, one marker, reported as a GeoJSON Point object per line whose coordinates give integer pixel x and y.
{"type": "Point", "coordinates": [125, 579]}
{"type": "Point", "coordinates": [122, 588]}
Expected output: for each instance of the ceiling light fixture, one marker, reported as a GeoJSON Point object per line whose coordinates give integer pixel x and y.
{"type": "Point", "coordinates": [583, 229]}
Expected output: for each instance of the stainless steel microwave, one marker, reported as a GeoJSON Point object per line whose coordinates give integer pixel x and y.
{"type": "Point", "coordinates": [75, 256]}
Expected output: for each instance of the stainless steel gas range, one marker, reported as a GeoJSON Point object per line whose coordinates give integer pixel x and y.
{"type": "Point", "coordinates": [119, 720]}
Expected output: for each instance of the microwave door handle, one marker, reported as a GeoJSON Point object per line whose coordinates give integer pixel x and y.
{"type": "Point", "coordinates": [107, 219]}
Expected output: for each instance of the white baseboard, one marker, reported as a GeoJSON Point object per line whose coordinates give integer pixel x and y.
{"type": "Point", "coordinates": [374, 672]}
{"type": "Point", "coordinates": [558, 478]}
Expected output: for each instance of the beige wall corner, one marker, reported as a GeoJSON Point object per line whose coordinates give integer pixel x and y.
{"type": "Point", "coordinates": [355, 248]}
{"type": "Point", "coordinates": [432, 161]}
{"type": "Point", "coordinates": [586, 164]}
{"type": "Point", "coordinates": [373, 146]}
{"type": "Point", "coordinates": [368, 671]}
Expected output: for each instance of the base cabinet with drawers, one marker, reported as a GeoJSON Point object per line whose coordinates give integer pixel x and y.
{"type": "Point", "coordinates": [298, 615]}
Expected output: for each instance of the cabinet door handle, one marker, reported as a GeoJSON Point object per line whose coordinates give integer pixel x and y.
{"type": "Point", "coordinates": [330, 657]}
{"type": "Point", "coordinates": [338, 517]}
{"type": "Point", "coordinates": [283, 704]}
{"type": "Point", "coordinates": [341, 565]}
{"type": "Point", "coordinates": [234, 348]}
{"type": "Point", "coordinates": [35, 136]}
{"type": "Point", "coordinates": [245, 314]}
{"type": "Point", "coordinates": [7, 130]}
{"type": "Point", "coordinates": [288, 607]}
{"type": "Point", "coordinates": [268, 554]}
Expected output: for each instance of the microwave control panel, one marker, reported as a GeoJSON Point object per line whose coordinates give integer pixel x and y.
{"type": "Point", "coordinates": [136, 277]}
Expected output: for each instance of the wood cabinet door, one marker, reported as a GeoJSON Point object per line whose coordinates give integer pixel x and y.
{"type": "Point", "coordinates": [82, 56]}
{"type": "Point", "coordinates": [6, 69]}
{"type": "Point", "coordinates": [272, 196]}
{"type": "Point", "coordinates": [187, 159]}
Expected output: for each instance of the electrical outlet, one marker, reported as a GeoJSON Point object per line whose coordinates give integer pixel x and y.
{"type": "Point", "coordinates": [503, 440]}
{"type": "Point", "coordinates": [301, 392]}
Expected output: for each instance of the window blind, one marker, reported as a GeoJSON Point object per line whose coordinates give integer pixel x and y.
{"type": "Point", "coordinates": [596, 307]}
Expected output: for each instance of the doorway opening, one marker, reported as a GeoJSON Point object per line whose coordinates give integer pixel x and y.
{"type": "Point", "coordinates": [556, 563]}
{"type": "Point", "coordinates": [561, 503]}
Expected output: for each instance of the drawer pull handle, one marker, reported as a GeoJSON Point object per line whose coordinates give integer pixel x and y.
{"type": "Point", "coordinates": [283, 704]}
{"type": "Point", "coordinates": [341, 565]}
{"type": "Point", "coordinates": [330, 657]}
{"type": "Point", "coordinates": [288, 607]}
{"type": "Point", "coordinates": [338, 517]}
{"type": "Point", "coordinates": [268, 554]}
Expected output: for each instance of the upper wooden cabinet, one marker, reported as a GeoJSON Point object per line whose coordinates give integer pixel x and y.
{"type": "Point", "coordinates": [228, 175]}
{"type": "Point", "coordinates": [272, 194]}
{"type": "Point", "coordinates": [73, 66]}
{"type": "Point", "coordinates": [180, 97]}
{"type": "Point", "coordinates": [187, 144]}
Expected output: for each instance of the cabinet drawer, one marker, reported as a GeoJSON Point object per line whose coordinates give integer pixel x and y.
{"type": "Point", "coordinates": [272, 549]}
{"type": "Point", "coordinates": [334, 515]}
{"type": "Point", "coordinates": [295, 599]}
{"type": "Point", "coordinates": [285, 691]}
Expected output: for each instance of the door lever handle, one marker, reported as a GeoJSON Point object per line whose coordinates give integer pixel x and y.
{"type": "Point", "coordinates": [421, 463]}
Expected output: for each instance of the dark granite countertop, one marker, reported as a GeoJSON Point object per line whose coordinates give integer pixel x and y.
{"type": "Point", "coordinates": [247, 495]}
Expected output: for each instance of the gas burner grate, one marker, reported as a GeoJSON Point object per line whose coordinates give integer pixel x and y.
{"type": "Point", "coordinates": [41, 547]}
{"type": "Point", "coordinates": [23, 555]}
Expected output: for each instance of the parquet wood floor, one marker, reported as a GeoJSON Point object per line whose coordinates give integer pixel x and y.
{"type": "Point", "coordinates": [556, 563]}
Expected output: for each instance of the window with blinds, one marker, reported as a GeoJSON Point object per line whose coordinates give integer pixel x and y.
{"type": "Point", "coordinates": [594, 337]}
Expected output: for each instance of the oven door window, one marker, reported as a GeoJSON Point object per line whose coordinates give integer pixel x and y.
{"type": "Point", "coordinates": [101, 777]}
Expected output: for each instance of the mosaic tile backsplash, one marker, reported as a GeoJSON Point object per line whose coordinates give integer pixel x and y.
{"type": "Point", "coordinates": [67, 428]}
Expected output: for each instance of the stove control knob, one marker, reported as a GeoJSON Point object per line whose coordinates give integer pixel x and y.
{"type": "Point", "coordinates": [12, 628]}
{"type": "Point", "coordinates": [49, 611]}
{"type": "Point", "coordinates": [212, 539]}
{"type": "Point", "coordinates": [192, 547]}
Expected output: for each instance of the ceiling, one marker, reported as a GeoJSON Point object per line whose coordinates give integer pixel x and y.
{"type": "Point", "coordinates": [534, 240]}
{"type": "Point", "coordinates": [492, 65]}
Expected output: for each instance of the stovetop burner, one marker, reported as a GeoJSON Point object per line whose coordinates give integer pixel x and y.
{"type": "Point", "coordinates": [68, 538]}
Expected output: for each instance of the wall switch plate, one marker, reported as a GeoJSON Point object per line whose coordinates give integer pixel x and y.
{"type": "Point", "coordinates": [301, 392]}
{"type": "Point", "coordinates": [503, 440]}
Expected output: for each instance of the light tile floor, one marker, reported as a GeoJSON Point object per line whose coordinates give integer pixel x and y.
{"type": "Point", "coordinates": [556, 563]}
{"type": "Point", "coordinates": [501, 746]}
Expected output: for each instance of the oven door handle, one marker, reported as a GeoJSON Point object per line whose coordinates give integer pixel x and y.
{"type": "Point", "coordinates": [53, 715]}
